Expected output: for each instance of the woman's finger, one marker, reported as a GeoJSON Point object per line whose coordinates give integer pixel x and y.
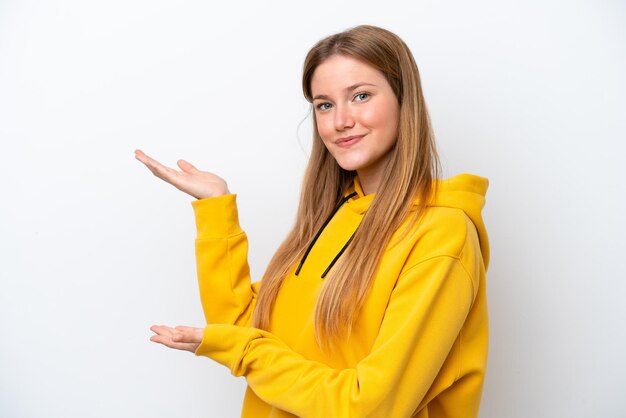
{"type": "Point", "coordinates": [179, 339]}
{"type": "Point", "coordinates": [187, 334]}
{"type": "Point", "coordinates": [163, 330]}
{"type": "Point", "coordinates": [158, 169]}
{"type": "Point", "coordinates": [186, 166]}
{"type": "Point", "coordinates": [167, 341]}
{"type": "Point", "coordinates": [161, 171]}
{"type": "Point", "coordinates": [141, 156]}
{"type": "Point", "coordinates": [185, 328]}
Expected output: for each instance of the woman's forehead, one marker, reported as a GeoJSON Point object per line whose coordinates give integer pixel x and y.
{"type": "Point", "coordinates": [340, 72]}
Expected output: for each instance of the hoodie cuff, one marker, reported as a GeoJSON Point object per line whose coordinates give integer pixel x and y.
{"type": "Point", "coordinates": [226, 344]}
{"type": "Point", "coordinates": [216, 217]}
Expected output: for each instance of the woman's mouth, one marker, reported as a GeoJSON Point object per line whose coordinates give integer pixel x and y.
{"type": "Point", "coordinates": [348, 141]}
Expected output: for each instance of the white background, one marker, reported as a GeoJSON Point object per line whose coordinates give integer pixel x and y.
{"type": "Point", "coordinates": [93, 249]}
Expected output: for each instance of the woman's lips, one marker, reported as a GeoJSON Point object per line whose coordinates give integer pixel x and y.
{"type": "Point", "coordinates": [348, 141]}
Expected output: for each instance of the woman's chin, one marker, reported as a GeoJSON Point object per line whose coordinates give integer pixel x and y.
{"type": "Point", "coordinates": [350, 165]}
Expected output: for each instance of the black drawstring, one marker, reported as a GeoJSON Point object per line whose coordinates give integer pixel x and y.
{"type": "Point", "coordinates": [308, 250]}
{"type": "Point", "coordinates": [332, 263]}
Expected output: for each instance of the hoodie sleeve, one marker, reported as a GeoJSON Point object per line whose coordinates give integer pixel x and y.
{"type": "Point", "coordinates": [421, 324]}
{"type": "Point", "coordinates": [226, 291]}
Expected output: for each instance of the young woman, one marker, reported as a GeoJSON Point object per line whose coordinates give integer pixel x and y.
{"type": "Point", "coordinates": [374, 305]}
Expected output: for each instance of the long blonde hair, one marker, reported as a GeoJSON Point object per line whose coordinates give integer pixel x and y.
{"type": "Point", "coordinates": [408, 178]}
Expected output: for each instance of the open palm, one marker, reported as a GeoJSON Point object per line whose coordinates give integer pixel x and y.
{"type": "Point", "coordinates": [196, 183]}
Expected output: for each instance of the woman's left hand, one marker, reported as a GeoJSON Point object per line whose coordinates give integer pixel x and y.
{"type": "Point", "coordinates": [179, 337]}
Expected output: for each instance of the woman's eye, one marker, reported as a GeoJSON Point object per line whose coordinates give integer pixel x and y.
{"type": "Point", "coordinates": [324, 106]}
{"type": "Point", "coordinates": [361, 96]}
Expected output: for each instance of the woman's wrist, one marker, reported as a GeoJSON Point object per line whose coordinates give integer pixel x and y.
{"type": "Point", "coordinates": [217, 192]}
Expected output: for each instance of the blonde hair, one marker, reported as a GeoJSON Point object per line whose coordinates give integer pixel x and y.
{"type": "Point", "coordinates": [407, 179]}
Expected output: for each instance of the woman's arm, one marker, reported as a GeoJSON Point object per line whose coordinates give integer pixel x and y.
{"type": "Point", "coordinates": [226, 292]}
{"type": "Point", "coordinates": [422, 322]}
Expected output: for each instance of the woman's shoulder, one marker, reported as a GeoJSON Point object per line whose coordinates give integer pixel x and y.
{"type": "Point", "coordinates": [445, 230]}
{"type": "Point", "coordinates": [452, 224]}
{"type": "Point", "coordinates": [442, 232]}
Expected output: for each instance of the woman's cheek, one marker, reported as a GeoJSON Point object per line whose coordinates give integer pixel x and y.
{"type": "Point", "coordinates": [370, 117]}
{"type": "Point", "coordinates": [324, 129]}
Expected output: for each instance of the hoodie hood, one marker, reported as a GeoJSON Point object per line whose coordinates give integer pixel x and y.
{"type": "Point", "coordinates": [464, 191]}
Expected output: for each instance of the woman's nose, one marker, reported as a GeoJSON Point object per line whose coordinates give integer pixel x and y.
{"type": "Point", "coordinates": [344, 119]}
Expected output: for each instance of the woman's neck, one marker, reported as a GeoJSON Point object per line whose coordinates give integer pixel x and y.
{"type": "Point", "coordinates": [369, 181]}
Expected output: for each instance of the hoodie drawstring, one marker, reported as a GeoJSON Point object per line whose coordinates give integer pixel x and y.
{"type": "Point", "coordinates": [332, 263]}
{"type": "Point", "coordinates": [308, 250]}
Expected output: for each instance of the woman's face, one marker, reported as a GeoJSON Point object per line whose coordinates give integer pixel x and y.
{"type": "Point", "coordinates": [357, 116]}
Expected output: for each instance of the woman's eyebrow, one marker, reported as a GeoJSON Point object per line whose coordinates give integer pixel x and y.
{"type": "Point", "coordinates": [357, 85]}
{"type": "Point", "coordinates": [347, 89]}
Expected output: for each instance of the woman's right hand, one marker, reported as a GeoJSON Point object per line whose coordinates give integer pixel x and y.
{"type": "Point", "coordinates": [196, 183]}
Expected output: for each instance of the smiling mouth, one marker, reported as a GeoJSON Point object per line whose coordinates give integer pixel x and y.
{"type": "Point", "coordinates": [348, 140]}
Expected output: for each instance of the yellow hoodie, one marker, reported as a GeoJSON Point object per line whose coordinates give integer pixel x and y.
{"type": "Point", "coordinates": [418, 347]}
